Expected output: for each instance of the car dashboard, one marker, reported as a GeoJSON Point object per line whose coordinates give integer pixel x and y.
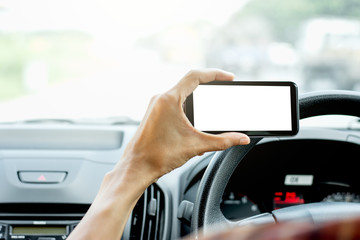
{"type": "Point", "coordinates": [50, 174]}
{"type": "Point", "coordinates": [291, 173]}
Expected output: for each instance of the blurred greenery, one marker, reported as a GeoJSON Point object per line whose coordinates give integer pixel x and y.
{"type": "Point", "coordinates": [65, 54]}
{"type": "Point", "coordinates": [286, 16]}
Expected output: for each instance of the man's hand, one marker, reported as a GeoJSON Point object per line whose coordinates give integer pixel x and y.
{"type": "Point", "coordinates": [166, 139]}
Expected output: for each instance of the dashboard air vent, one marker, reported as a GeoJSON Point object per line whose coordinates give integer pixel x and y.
{"type": "Point", "coordinates": [147, 220]}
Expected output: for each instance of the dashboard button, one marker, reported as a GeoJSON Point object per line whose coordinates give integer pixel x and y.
{"type": "Point", "coordinates": [41, 177]}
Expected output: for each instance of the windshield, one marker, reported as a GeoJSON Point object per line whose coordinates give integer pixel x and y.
{"type": "Point", "coordinates": [101, 59]}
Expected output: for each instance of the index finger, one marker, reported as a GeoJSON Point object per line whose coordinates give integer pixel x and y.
{"type": "Point", "coordinates": [191, 80]}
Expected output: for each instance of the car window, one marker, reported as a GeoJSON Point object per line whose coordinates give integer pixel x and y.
{"type": "Point", "coordinates": [102, 59]}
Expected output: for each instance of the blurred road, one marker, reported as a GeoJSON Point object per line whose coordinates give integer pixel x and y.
{"type": "Point", "coordinates": [116, 93]}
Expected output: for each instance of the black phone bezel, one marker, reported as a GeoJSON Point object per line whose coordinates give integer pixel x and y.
{"type": "Point", "coordinates": [189, 107]}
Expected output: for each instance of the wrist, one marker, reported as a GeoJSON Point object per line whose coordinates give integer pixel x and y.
{"type": "Point", "coordinates": [140, 165]}
{"type": "Point", "coordinates": [123, 185]}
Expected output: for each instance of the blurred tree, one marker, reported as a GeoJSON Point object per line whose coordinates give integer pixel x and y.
{"type": "Point", "coordinates": [66, 54]}
{"type": "Point", "coordinates": [286, 16]}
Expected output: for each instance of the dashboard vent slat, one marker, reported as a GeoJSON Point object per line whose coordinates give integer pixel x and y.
{"type": "Point", "coordinates": [147, 217]}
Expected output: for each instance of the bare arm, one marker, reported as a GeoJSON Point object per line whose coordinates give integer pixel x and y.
{"type": "Point", "coordinates": [164, 141]}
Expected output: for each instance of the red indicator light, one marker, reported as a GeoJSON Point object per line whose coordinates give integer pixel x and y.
{"type": "Point", "coordinates": [287, 199]}
{"type": "Point", "coordinates": [41, 178]}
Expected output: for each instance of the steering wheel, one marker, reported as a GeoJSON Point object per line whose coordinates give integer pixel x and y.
{"type": "Point", "coordinates": [207, 206]}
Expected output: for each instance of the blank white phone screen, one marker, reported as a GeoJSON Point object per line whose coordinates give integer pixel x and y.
{"type": "Point", "coordinates": [242, 108]}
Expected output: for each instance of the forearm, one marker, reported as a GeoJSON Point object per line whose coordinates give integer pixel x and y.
{"type": "Point", "coordinates": [112, 206]}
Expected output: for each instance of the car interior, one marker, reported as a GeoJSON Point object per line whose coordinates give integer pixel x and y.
{"type": "Point", "coordinates": [73, 92]}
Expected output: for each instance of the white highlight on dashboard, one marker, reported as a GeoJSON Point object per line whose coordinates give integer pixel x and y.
{"type": "Point", "coordinates": [299, 180]}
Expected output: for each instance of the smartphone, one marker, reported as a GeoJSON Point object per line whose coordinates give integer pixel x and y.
{"type": "Point", "coordinates": [256, 108]}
